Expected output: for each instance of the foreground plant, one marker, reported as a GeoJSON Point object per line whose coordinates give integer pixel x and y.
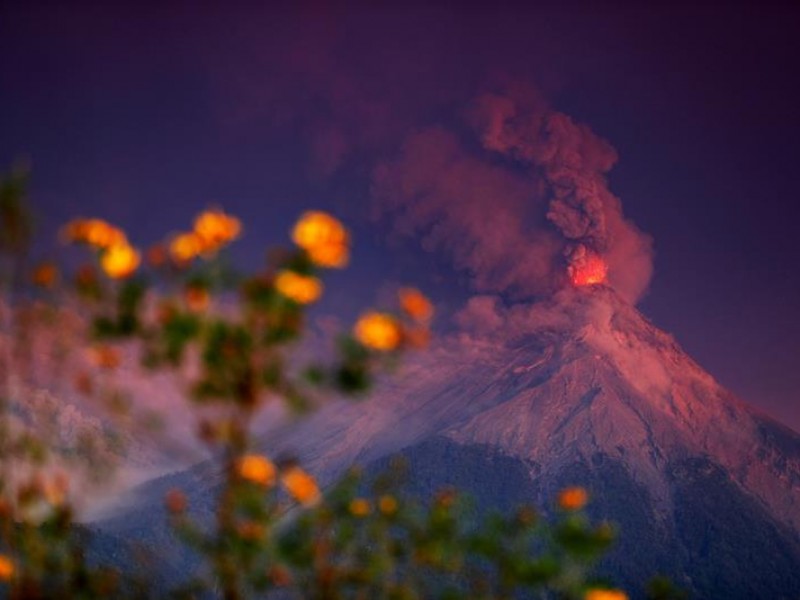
{"type": "Point", "coordinates": [231, 338]}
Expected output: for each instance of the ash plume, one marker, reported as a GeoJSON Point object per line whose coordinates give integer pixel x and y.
{"type": "Point", "coordinates": [526, 212]}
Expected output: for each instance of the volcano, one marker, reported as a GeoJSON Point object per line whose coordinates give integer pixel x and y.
{"type": "Point", "coordinates": [578, 390]}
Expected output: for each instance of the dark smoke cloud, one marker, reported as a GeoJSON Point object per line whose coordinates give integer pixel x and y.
{"type": "Point", "coordinates": [516, 225]}
{"type": "Point", "coordinates": [482, 215]}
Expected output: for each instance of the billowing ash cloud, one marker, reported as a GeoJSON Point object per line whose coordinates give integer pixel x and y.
{"type": "Point", "coordinates": [528, 207]}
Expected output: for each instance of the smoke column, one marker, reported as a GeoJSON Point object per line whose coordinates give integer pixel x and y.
{"type": "Point", "coordinates": [526, 214]}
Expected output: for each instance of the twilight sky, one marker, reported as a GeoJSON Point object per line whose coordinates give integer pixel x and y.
{"type": "Point", "coordinates": [145, 115]}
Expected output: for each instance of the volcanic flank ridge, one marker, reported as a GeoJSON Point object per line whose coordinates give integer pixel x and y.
{"type": "Point", "coordinates": [580, 389]}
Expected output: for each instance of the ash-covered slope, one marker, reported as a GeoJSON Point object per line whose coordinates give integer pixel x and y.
{"type": "Point", "coordinates": [584, 390]}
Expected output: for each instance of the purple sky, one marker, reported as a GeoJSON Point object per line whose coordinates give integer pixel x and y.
{"type": "Point", "coordinates": [145, 115]}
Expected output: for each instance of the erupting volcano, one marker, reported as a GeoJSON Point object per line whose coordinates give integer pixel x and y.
{"type": "Point", "coordinates": [592, 270]}
{"type": "Point", "coordinates": [577, 390]}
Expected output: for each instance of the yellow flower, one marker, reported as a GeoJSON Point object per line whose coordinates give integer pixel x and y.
{"type": "Point", "coordinates": [387, 505]}
{"type": "Point", "coordinates": [215, 229]}
{"type": "Point", "coordinates": [378, 331]}
{"type": "Point", "coordinates": [6, 568]}
{"type": "Point", "coordinates": [256, 469]}
{"type": "Point", "coordinates": [360, 507]}
{"type": "Point", "coordinates": [95, 232]}
{"type": "Point", "coordinates": [324, 238]}
{"type": "Point", "coordinates": [185, 247]}
{"type": "Point", "coordinates": [120, 261]}
{"type": "Point", "coordinates": [301, 485]}
{"type": "Point", "coordinates": [415, 304]}
{"type": "Point", "coordinates": [303, 289]}
{"type": "Point", "coordinates": [573, 498]}
{"type": "Point", "coordinates": [45, 274]}
{"type": "Point", "coordinates": [598, 594]}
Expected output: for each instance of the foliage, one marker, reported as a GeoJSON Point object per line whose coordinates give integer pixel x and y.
{"type": "Point", "coordinates": [232, 337]}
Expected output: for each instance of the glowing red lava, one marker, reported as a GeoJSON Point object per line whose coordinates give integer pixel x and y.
{"type": "Point", "coordinates": [590, 271]}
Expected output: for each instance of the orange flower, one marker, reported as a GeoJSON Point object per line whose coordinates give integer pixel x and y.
{"type": "Point", "coordinates": [300, 485]}
{"type": "Point", "coordinates": [55, 489]}
{"type": "Point", "coordinates": [86, 276]}
{"type": "Point", "coordinates": [215, 229]}
{"type": "Point", "coordinates": [573, 498]}
{"type": "Point", "coordinates": [387, 505]}
{"type": "Point", "coordinates": [104, 357]}
{"type": "Point", "coordinates": [175, 500]}
{"type": "Point", "coordinates": [6, 568]}
{"type": "Point", "coordinates": [378, 331]}
{"type": "Point", "coordinates": [279, 575]}
{"type": "Point", "coordinates": [256, 469]}
{"type": "Point", "coordinates": [360, 507]}
{"type": "Point", "coordinates": [329, 256]}
{"type": "Point", "coordinates": [120, 261]}
{"type": "Point", "coordinates": [417, 337]}
{"type": "Point", "coordinates": [185, 247]}
{"type": "Point", "coordinates": [324, 238]}
{"type": "Point", "coordinates": [251, 531]}
{"type": "Point", "coordinates": [156, 255]}
{"type": "Point", "coordinates": [303, 289]}
{"type": "Point", "coordinates": [45, 274]}
{"type": "Point", "coordinates": [83, 383]}
{"type": "Point", "coordinates": [598, 594]}
{"type": "Point", "coordinates": [415, 304]}
{"type": "Point", "coordinates": [197, 298]}
{"type": "Point", "coordinates": [94, 232]}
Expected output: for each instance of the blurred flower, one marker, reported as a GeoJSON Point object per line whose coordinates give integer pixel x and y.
{"type": "Point", "coordinates": [55, 489]}
{"type": "Point", "coordinates": [45, 274]}
{"type": "Point", "coordinates": [120, 261]}
{"type": "Point", "coordinates": [215, 229]}
{"type": "Point", "coordinates": [445, 498]}
{"type": "Point", "coordinates": [573, 498]}
{"type": "Point", "coordinates": [378, 331]}
{"type": "Point", "coordinates": [280, 575]}
{"type": "Point", "coordinates": [387, 505]}
{"type": "Point", "coordinates": [175, 501]}
{"type": "Point", "coordinates": [185, 247]}
{"type": "Point", "coordinates": [251, 531]}
{"type": "Point", "coordinates": [86, 276]}
{"type": "Point", "coordinates": [256, 469]}
{"type": "Point", "coordinates": [360, 507]}
{"type": "Point", "coordinates": [104, 357]}
{"type": "Point", "coordinates": [6, 568]}
{"type": "Point", "coordinates": [83, 383]}
{"type": "Point", "coordinates": [156, 255]}
{"type": "Point", "coordinates": [526, 516]}
{"type": "Point", "coordinates": [324, 238]}
{"type": "Point", "coordinates": [303, 289]}
{"type": "Point", "coordinates": [415, 304]}
{"type": "Point", "coordinates": [598, 594]}
{"type": "Point", "coordinates": [417, 337]}
{"type": "Point", "coordinates": [197, 298]}
{"type": "Point", "coordinates": [300, 485]}
{"type": "Point", "coordinates": [95, 232]}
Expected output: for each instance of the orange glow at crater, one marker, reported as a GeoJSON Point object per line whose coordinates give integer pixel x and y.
{"type": "Point", "coordinates": [589, 271]}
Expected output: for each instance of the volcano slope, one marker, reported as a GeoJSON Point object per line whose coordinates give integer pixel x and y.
{"type": "Point", "coordinates": [579, 390]}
